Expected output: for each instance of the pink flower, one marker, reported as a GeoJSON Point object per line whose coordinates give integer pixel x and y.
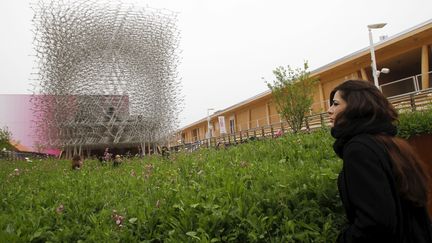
{"type": "Point", "coordinates": [118, 219]}
{"type": "Point", "coordinates": [60, 209]}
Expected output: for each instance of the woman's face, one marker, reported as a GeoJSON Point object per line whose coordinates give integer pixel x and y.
{"type": "Point", "coordinates": [338, 106]}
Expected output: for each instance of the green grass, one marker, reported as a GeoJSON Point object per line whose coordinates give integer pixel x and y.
{"type": "Point", "coordinates": [281, 190]}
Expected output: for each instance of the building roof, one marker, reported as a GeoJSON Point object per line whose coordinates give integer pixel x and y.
{"type": "Point", "coordinates": [355, 55]}
{"type": "Point", "coordinates": [19, 147]}
{"type": "Point", "coordinates": [365, 51]}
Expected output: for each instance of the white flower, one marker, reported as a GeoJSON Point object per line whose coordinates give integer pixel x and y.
{"type": "Point", "coordinates": [16, 172]}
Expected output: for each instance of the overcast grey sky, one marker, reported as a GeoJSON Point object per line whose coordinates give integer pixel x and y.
{"type": "Point", "coordinates": [227, 46]}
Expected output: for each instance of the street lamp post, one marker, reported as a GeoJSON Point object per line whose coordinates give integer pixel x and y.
{"type": "Point", "coordinates": [208, 123]}
{"type": "Point", "coordinates": [372, 51]}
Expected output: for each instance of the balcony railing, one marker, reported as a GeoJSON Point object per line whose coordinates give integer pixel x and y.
{"type": "Point", "coordinates": [404, 86]}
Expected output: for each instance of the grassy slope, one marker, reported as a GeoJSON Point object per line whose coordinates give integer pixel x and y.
{"type": "Point", "coordinates": [273, 190]}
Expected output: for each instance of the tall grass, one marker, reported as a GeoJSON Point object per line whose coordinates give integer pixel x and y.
{"type": "Point", "coordinates": [281, 190]}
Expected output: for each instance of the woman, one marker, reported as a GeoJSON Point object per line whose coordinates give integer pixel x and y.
{"type": "Point", "coordinates": [382, 184]}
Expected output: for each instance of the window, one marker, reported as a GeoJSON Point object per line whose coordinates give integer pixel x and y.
{"type": "Point", "coordinates": [232, 125]}
{"type": "Point", "coordinates": [183, 137]}
{"type": "Point", "coordinates": [195, 134]}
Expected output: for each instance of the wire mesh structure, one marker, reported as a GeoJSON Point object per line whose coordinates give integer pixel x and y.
{"type": "Point", "coordinates": [106, 74]}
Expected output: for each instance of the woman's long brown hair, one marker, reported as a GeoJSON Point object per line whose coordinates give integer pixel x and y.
{"type": "Point", "coordinates": [364, 100]}
{"type": "Point", "coordinates": [410, 173]}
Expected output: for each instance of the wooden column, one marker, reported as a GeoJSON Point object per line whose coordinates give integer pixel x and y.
{"type": "Point", "coordinates": [249, 119]}
{"type": "Point", "coordinates": [268, 113]}
{"type": "Point", "coordinates": [321, 96]}
{"type": "Point", "coordinates": [235, 123]}
{"type": "Point", "coordinates": [425, 67]}
{"type": "Point", "coordinates": [363, 74]}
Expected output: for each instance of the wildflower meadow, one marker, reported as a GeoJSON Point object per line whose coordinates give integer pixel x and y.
{"type": "Point", "coordinates": [275, 190]}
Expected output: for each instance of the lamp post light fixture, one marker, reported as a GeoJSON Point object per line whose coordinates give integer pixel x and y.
{"type": "Point", "coordinates": [372, 51]}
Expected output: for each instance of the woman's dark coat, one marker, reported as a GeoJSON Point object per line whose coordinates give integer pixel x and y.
{"type": "Point", "coordinates": [375, 211]}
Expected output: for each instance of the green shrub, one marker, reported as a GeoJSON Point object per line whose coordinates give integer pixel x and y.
{"type": "Point", "coordinates": [5, 136]}
{"type": "Point", "coordinates": [412, 123]}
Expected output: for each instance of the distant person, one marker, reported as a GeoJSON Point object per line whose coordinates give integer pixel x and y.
{"type": "Point", "coordinates": [165, 152]}
{"type": "Point", "coordinates": [382, 185]}
{"type": "Point", "coordinates": [77, 162]}
{"type": "Point", "coordinates": [102, 160]}
{"type": "Point", "coordinates": [128, 154]}
{"type": "Point", "coordinates": [117, 160]}
{"type": "Point", "coordinates": [107, 155]}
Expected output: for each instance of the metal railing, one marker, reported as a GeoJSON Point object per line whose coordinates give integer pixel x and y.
{"type": "Point", "coordinates": [13, 155]}
{"type": "Point", "coordinates": [404, 86]}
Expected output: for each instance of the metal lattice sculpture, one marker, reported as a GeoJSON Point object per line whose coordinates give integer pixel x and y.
{"type": "Point", "coordinates": [106, 74]}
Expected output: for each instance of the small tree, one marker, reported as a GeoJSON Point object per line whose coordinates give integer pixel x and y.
{"type": "Point", "coordinates": [5, 136]}
{"type": "Point", "coordinates": [40, 147]}
{"type": "Point", "coordinates": [292, 93]}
